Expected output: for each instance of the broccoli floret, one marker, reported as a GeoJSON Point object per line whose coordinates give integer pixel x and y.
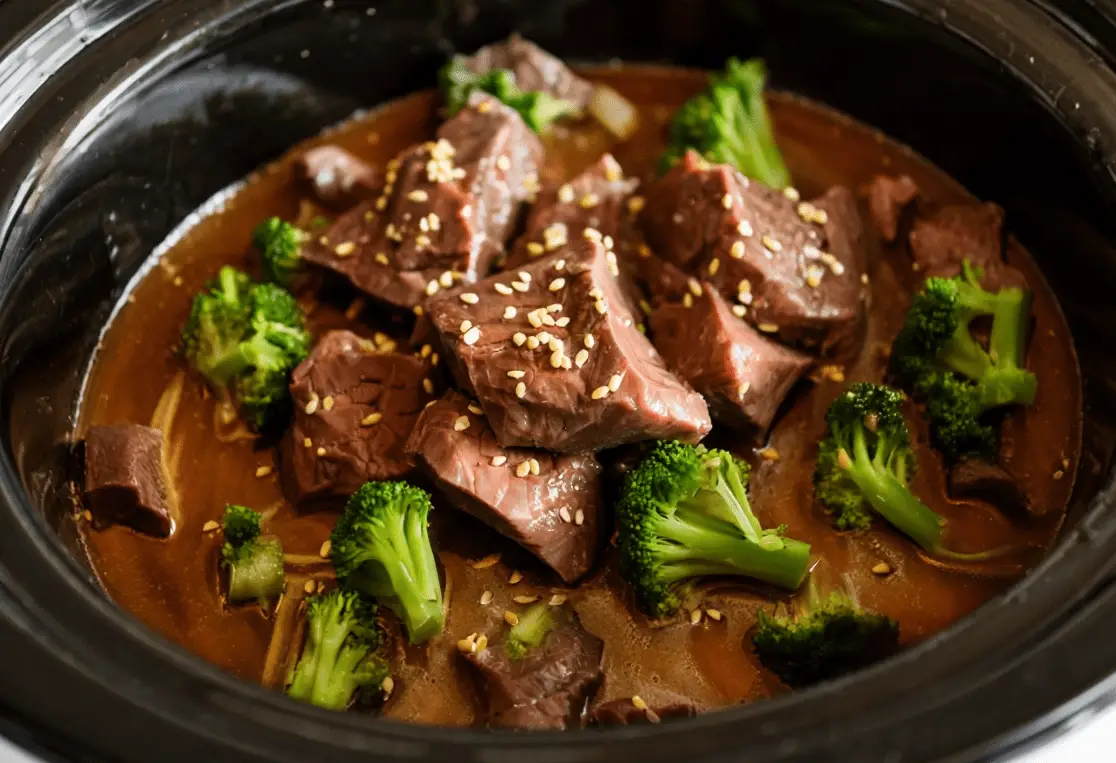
{"type": "Point", "coordinates": [538, 109]}
{"type": "Point", "coordinates": [255, 564]}
{"type": "Point", "coordinates": [531, 630]}
{"type": "Point", "coordinates": [684, 514]}
{"type": "Point", "coordinates": [381, 547]}
{"type": "Point", "coordinates": [866, 456]}
{"type": "Point", "coordinates": [339, 655]}
{"type": "Point", "coordinates": [244, 339]}
{"type": "Point", "coordinates": [280, 246]}
{"type": "Point", "coordinates": [936, 340]}
{"type": "Point", "coordinates": [828, 637]}
{"type": "Point", "coordinates": [728, 123]}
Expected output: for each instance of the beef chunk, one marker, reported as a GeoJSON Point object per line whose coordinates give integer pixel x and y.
{"type": "Point", "coordinates": [335, 177]}
{"type": "Point", "coordinates": [888, 197]}
{"type": "Point", "coordinates": [554, 513]}
{"type": "Point", "coordinates": [556, 359]}
{"type": "Point", "coordinates": [597, 199]}
{"type": "Point", "coordinates": [124, 478]}
{"type": "Point", "coordinates": [354, 409]}
{"type": "Point", "coordinates": [534, 69]}
{"type": "Point", "coordinates": [980, 480]}
{"type": "Point", "coordinates": [743, 375]}
{"type": "Point", "coordinates": [446, 211]}
{"type": "Point", "coordinates": [624, 712]}
{"type": "Point", "coordinates": [941, 242]}
{"type": "Point", "coordinates": [546, 689]}
{"type": "Point", "coordinates": [796, 267]}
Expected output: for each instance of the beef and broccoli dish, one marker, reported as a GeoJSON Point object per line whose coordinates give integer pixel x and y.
{"type": "Point", "coordinates": [552, 397]}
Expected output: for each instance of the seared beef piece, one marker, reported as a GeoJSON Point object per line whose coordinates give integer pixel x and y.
{"type": "Point", "coordinates": [354, 409]}
{"type": "Point", "coordinates": [335, 177]}
{"type": "Point", "coordinates": [941, 242]}
{"type": "Point", "coordinates": [888, 197]}
{"type": "Point", "coordinates": [534, 69]}
{"type": "Point", "coordinates": [597, 198]}
{"type": "Point", "coordinates": [623, 712]}
{"type": "Point", "coordinates": [609, 387]}
{"type": "Point", "coordinates": [980, 480]}
{"type": "Point", "coordinates": [124, 478]}
{"type": "Point", "coordinates": [446, 211]}
{"type": "Point", "coordinates": [549, 687]}
{"type": "Point", "coordinates": [555, 514]}
{"type": "Point", "coordinates": [743, 376]}
{"type": "Point", "coordinates": [798, 277]}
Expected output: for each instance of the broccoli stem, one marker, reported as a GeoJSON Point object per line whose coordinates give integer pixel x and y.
{"type": "Point", "coordinates": [1008, 382]}
{"type": "Point", "coordinates": [715, 548]}
{"type": "Point", "coordinates": [258, 572]}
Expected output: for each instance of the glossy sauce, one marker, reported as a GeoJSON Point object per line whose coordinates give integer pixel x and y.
{"type": "Point", "coordinates": [173, 586]}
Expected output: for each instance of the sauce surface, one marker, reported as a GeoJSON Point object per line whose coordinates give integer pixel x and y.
{"type": "Point", "coordinates": [173, 585]}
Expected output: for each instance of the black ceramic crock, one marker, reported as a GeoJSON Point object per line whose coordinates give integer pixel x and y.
{"type": "Point", "coordinates": [119, 117]}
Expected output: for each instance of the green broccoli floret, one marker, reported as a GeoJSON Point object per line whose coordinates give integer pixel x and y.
{"type": "Point", "coordinates": [684, 513]}
{"type": "Point", "coordinates": [245, 339]}
{"type": "Point", "coordinates": [255, 564]}
{"type": "Point", "coordinates": [728, 123]}
{"type": "Point", "coordinates": [936, 340]}
{"type": "Point", "coordinates": [827, 637]}
{"type": "Point", "coordinates": [538, 109]}
{"type": "Point", "coordinates": [531, 631]}
{"type": "Point", "coordinates": [864, 463]}
{"type": "Point", "coordinates": [280, 246]}
{"type": "Point", "coordinates": [381, 547]}
{"type": "Point", "coordinates": [339, 655]}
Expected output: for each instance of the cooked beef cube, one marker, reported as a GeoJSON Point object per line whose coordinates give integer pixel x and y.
{"type": "Point", "coordinates": [659, 279]}
{"type": "Point", "coordinates": [624, 712]}
{"type": "Point", "coordinates": [796, 267]}
{"type": "Point", "coordinates": [354, 409]}
{"type": "Point", "coordinates": [549, 687]}
{"type": "Point", "coordinates": [743, 376]}
{"type": "Point", "coordinates": [446, 211]}
{"type": "Point", "coordinates": [124, 478]}
{"type": "Point", "coordinates": [597, 199]}
{"type": "Point", "coordinates": [941, 242]}
{"type": "Point", "coordinates": [548, 503]}
{"type": "Point", "coordinates": [534, 69]}
{"type": "Point", "coordinates": [980, 480]}
{"type": "Point", "coordinates": [335, 177]}
{"type": "Point", "coordinates": [888, 197]}
{"type": "Point", "coordinates": [557, 361]}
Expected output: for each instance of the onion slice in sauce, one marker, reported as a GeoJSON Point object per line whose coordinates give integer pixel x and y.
{"type": "Point", "coordinates": [614, 111]}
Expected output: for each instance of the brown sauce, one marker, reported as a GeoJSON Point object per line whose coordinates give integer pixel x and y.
{"type": "Point", "coordinates": [173, 585]}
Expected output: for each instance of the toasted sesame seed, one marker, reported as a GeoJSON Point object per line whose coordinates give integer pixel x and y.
{"type": "Point", "coordinates": [344, 249]}
{"type": "Point", "coordinates": [554, 343]}
{"type": "Point", "coordinates": [445, 280]}
{"type": "Point", "coordinates": [461, 423]}
{"type": "Point", "coordinates": [518, 338]}
{"type": "Point", "coordinates": [517, 374]}
{"type": "Point", "coordinates": [737, 250]}
{"type": "Point", "coordinates": [469, 298]}
{"type": "Point", "coordinates": [475, 409]}
{"type": "Point", "coordinates": [389, 683]}
{"type": "Point", "coordinates": [547, 319]}
{"type": "Point", "coordinates": [739, 311]}
{"type": "Point", "coordinates": [1058, 474]}
{"type": "Point", "coordinates": [635, 204]}
{"type": "Point", "coordinates": [589, 200]}
{"type": "Point", "coordinates": [556, 359]}
{"type": "Point", "coordinates": [544, 337]}
{"type": "Point", "coordinates": [471, 336]}
{"type": "Point", "coordinates": [534, 248]}
{"type": "Point", "coordinates": [465, 325]}
{"type": "Point", "coordinates": [503, 288]}
{"type": "Point", "coordinates": [327, 402]}
{"type": "Point", "coordinates": [864, 278]}
{"type": "Point", "coordinates": [772, 244]}
{"type": "Point", "coordinates": [566, 194]}
{"type": "Point", "coordinates": [639, 703]}
{"type": "Point", "coordinates": [695, 617]}
{"type": "Point", "coordinates": [592, 234]}
{"type": "Point", "coordinates": [515, 577]}
{"type": "Point", "coordinates": [511, 618]}
{"type": "Point", "coordinates": [533, 343]}
{"type": "Point", "coordinates": [309, 586]}
{"type": "Point", "coordinates": [560, 265]}
{"type": "Point", "coordinates": [307, 442]}
{"type": "Point", "coordinates": [499, 460]}
{"type": "Point", "coordinates": [557, 284]}
{"type": "Point", "coordinates": [600, 392]}
{"type": "Point", "coordinates": [417, 310]}
{"type": "Point", "coordinates": [323, 552]}
{"type": "Point", "coordinates": [564, 513]}
{"type": "Point", "coordinates": [792, 193]}
{"type": "Point", "coordinates": [557, 600]}
{"type": "Point", "coordinates": [418, 195]}
{"type": "Point", "coordinates": [524, 276]}
{"type": "Point", "coordinates": [695, 287]}
{"type": "Point", "coordinates": [534, 465]}
{"type": "Point", "coordinates": [486, 598]}
{"type": "Point", "coordinates": [714, 266]}
{"type": "Point", "coordinates": [745, 229]}
{"type": "Point", "coordinates": [590, 340]}
{"type": "Point", "coordinates": [431, 288]}
{"type": "Point", "coordinates": [614, 382]}
{"type": "Point", "coordinates": [525, 599]}
{"type": "Point", "coordinates": [321, 451]}
{"type": "Point", "coordinates": [521, 390]}
{"type": "Point", "coordinates": [520, 286]}
{"type": "Point", "coordinates": [1065, 463]}
{"type": "Point", "coordinates": [769, 454]}
{"type": "Point", "coordinates": [602, 306]}
{"type": "Point", "coordinates": [489, 561]}
{"type": "Point", "coordinates": [726, 201]}
{"type": "Point", "coordinates": [714, 614]}
{"type": "Point", "coordinates": [311, 406]}
{"type": "Point", "coordinates": [579, 517]}
{"type": "Point", "coordinates": [467, 645]}
{"type": "Point", "coordinates": [581, 358]}
{"type": "Point", "coordinates": [768, 328]}
{"type": "Point", "coordinates": [482, 642]}
{"type": "Point", "coordinates": [210, 526]}
{"type": "Point", "coordinates": [503, 162]}
{"type": "Point", "coordinates": [263, 471]}
{"type": "Point", "coordinates": [687, 300]}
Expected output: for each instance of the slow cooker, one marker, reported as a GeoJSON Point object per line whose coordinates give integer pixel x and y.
{"type": "Point", "coordinates": [120, 117]}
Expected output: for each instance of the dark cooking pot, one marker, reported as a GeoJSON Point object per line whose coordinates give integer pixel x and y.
{"type": "Point", "coordinates": [119, 117]}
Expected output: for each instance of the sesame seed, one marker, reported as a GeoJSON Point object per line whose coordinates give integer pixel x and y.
{"type": "Point", "coordinates": [564, 513]}
{"type": "Point", "coordinates": [567, 364]}
{"type": "Point", "coordinates": [520, 286]}
{"type": "Point", "coordinates": [476, 410]}
{"type": "Point", "coordinates": [535, 249]}
{"type": "Point", "coordinates": [883, 568]}
{"type": "Point", "coordinates": [566, 194]}
{"type": "Point", "coordinates": [687, 300]}
{"type": "Point", "coordinates": [417, 310]}
{"type": "Point", "coordinates": [323, 552]}
{"type": "Point", "coordinates": [590, 340]}
{"type": "Point", "coordinates": [461, 423]}
{"type": "Point", "coordinates": [739, 311]}
{"type": "Point", "coordinates": [502, 288]}
{"type": "Point", "coordinates": [695, 617]}
{"type": "Point", "coordinates": [381, 203]}
{"type": "Point", "coordinates": [742, 390]}
{"type": "Point", "coordinates": [596, 293]}
{"type": "Point", "coordinates": [769, 454]}
{"type": "Point", "coordinates": [864, 278]}
{"type": "Point", "coordinates": [467, 645]}
{"type": "Point", "coordinates": [418, 195]}
{"type": "Point", "coordinates": [592, 234]}
{"type": "Point", "coordinates": [309, 586]}
{"type": "Point", "coordinates": [589, 200]}
{"type": "Point", "coordinates": [556, 359]}
{"type": "Point", "coordinates": [792, 193]}
{"type": "Point", "coordinates": [511, 618]}
{"type": "Point", "coordinates": [321, 452]}
{"type": "Point", "coordinates": [263, 471]}
{"type": "Point", "coordinates": [532, 343]}
{"type": "Point", "coordinates": [210, 526]}
{"type": "Point", "coordinates": [431, 288]}
{"type": "Point", "coordinates": [534, 319]}
{"type": "Point", "coordinates": [557, 600]}
{"type": "Point", "coordinates": [714, 266]}
{"type": "Point", "coordinates": [639, 703]}
{"type": "Point", "coordinates": [554, 343]}
{"type": "Point", "coordinates": [311, 406]}
{"type": "Point", "coordinates": [382, 259]}
{"type": "Point", "coordinates": [515, 577]}
{"type": "Point", "coordinates": [547, 319]}
{"type": "Point", "coordinates": [544, 337]}
{"type": "Point", "coordinates": [534, 464]}
{"type": "Point", "coordinates": [522, 469]}
{"type": "Point", "coordinates": [726, 201]}
{"type": "Point", "coordinates": [465, 325]}
{"type": "Point", "coordinates": [525, 599]}
{"type": "Point", "coordinates": [471, 336]}
{"type": "Point", "coordinates": [613, 267]}
{"type": "Point", "coordinates": [1058, 474]}
{"type": "Point", "coordinates": [579, 517]}
{"type": "Point", "coordinates": [635, 204]}
{"type": "Point", "coordinates": [521, 390]}
{"type": "Point", "coordinates": [600, 392]}
{"type": "Point", "coordinates": [469, 298]}
{"type": "Point", "coordinates": [344, 249]}
{"type": "Point", "coordinates": [602, 306]}
{"type": "Point", "coordinates": [486, 598]}
{"type": "Point", "coordinates": [327, 402]}
{"type": "Point", "coordinates": [695, 287]}
{"type": "Point", "coordinates": [560, 265]}
{"type": "Point", "coordinates": [557, 284]}
{"type": "Point", "coordinates": [562, 322]}
{"type": "Point", "coordinates": [307, 442]}
{"type": "Point", "coordinates": [489, 561]}
{"type": "Point", "coordinates": [614, 382]}
{"type": "Point", "coordinates": [737, 251]}
{"type": "Point", "coordinates": [503, 162]}
{"type": "Point", "coordinates": [745, 229]}
{"type": "Point", "coordinates": [714, 614]}
{"type": "Point", "coordinates": [768, 328]}
{"type": "Point", "coordinates": [518, 338]}
{"type": "Point", "coordinates": [581, 358]}
{"type": "Point", "coordinates": [389, 683]}
{"type": "Point", "coordinates": [771, 244]}
{"type": "Point", "coordinates": [517, 374]}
